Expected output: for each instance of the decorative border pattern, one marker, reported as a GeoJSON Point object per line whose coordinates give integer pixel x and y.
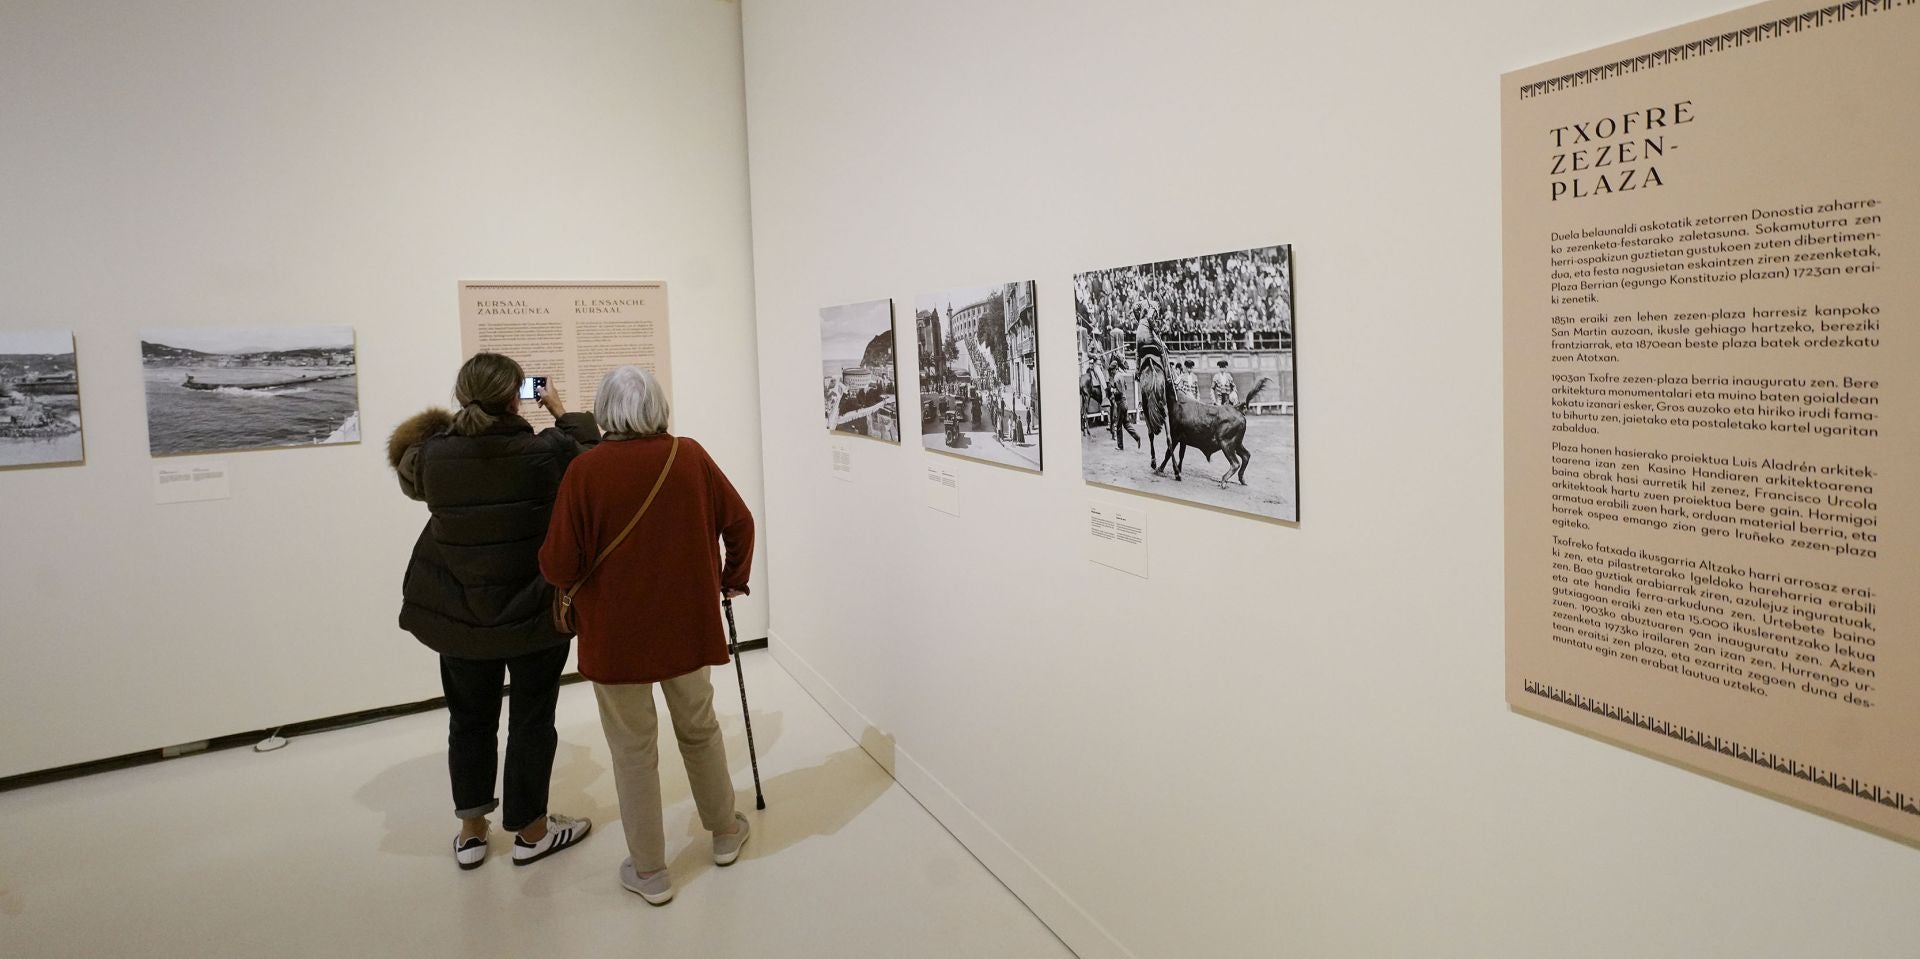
{"type": "Point", "coordinates": [1785, 26]}
{"type": "Point", "coordinates": [646, 285]}
{"type": "Point", "coordinates": [1726, 747]}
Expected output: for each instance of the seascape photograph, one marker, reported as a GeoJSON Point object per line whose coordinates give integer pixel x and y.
{"type": "Point", "coordinates": [857, 370]}
{"type": "Point", "coordinates": [39, 399]}
{"type": "Point", "coordinates": [210, 390]}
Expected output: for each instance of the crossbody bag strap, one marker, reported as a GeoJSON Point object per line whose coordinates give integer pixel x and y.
{"type": "Point", "coordinates": [672, 452]}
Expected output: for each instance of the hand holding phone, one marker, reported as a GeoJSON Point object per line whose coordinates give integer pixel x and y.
{"type": "Point", "coordinates": [550, 399]}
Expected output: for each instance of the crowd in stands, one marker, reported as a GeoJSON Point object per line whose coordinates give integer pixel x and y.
{"type": "Point", "coordinates": [1226, 301]}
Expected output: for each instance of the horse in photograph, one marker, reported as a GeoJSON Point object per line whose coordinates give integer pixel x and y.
{"type": "Point", "coordinates": [1155, 391]}
{"type": "Point", "coordinates": [1207, 427]}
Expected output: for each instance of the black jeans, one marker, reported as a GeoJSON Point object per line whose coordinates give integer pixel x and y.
{"type": "Point", "coordinates": [473, 688]}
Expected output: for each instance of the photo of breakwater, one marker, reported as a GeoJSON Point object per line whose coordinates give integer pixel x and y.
{"type": "Point", "coordinates": [214, 390]}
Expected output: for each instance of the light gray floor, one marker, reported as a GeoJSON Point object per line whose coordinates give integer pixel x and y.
{"type": "Point", "coordinates": [338, 845]}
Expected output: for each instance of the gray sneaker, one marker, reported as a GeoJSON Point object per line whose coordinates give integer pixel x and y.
{"type": "Point", "coordinates": [726, 848]}
{"type": "Point", "coordinates": [656, 889]}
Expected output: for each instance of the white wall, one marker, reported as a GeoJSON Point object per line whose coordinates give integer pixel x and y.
{"type": "Point", "coordinates": [1288, 741]}
{"type": "Point", "coordinates": [269, 162]}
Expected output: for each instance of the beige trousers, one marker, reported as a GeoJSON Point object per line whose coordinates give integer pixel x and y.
{"type": "Point", "coordinates": [633, 734]}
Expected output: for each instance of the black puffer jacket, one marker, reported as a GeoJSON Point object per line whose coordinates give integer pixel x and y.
{"type": "Point", "coordinates": [473, 588]}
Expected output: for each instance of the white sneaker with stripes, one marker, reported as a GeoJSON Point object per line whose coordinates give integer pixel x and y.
{"type": "Point", "coordinates": [469, 852]}
{"type": "Point", "coordinates": [562, 831]}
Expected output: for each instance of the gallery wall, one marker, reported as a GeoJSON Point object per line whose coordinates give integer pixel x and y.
{"type": "Point", "coordinates": [1285, 740]}
{"type": "Point", "coordinates": [232, 163]}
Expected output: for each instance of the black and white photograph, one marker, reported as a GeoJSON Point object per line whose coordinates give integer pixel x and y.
{"type": "Point", "coordinates": [862, 394]}
{"type": "Point", "coordinates": [236, 389]}
{"type": "Point", "coordinates": [39, 399]}
{"type": "Point", "coordinates": [980, 374]}
{"type": "Point", "coordinates": [1187, 380]}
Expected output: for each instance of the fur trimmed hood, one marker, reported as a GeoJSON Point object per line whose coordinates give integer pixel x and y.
{"type": "Point", "coordinates": [473, 588]}
{"type": "Point", "coordinates": [415, 429]}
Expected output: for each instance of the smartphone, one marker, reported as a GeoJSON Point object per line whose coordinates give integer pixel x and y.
{"type": "Point", "coordinates": [533, 387]}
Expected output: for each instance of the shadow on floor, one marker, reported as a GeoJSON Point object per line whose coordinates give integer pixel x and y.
{"type": "Point", "coordinates": [589, 785]}
{"type": "Point", "coordinates": [415, 798]}
{"type": "Point", "coordinates": [767, 728]}
{"type": "Point", "coordinates": [416, 801]}
{"type": "Point", "coordinates": [801, 804]}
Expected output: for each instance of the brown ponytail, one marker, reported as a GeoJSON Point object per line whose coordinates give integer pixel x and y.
{"type": "Point", "coordinates": [486, 385]}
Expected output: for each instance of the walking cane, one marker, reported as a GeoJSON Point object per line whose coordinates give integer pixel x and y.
{"type": "Point", "coordinates": [733, 649]}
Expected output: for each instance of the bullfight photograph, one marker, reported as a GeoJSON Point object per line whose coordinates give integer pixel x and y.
{"type": "Point", "coordinates": [1187, 380]}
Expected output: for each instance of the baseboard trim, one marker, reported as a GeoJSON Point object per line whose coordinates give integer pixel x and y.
{"type": "Point", "coordinates": [233, 740]}
{"type": "Point", "coordinates": [1080, 931]}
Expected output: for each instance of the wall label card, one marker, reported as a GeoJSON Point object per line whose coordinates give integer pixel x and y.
{"type": "Point", "coordinates": [1710, 467]}
{"type": "Point", "coordinates": [570, 332]}
{"type": "Point", "coordinates": [943, 490]}
{"type": "Point", "coordinates": [842, 453]}
{"type": "Point", "coordinates": [192, 483]}
{"type": "Point", "coordinates": [1117, 535]}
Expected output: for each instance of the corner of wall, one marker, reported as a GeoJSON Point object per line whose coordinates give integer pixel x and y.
{"type": "Point", "coordinates": [1075, 927]}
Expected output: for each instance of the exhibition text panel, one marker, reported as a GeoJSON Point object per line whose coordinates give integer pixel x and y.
{"type": "Point", "coordinates": [571, 333]}
{"type": "Point", "coordinates": [1709, 443]}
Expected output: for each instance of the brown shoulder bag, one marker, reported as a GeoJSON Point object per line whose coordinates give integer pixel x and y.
{"type": "Point", "coordinates": [563, 599]}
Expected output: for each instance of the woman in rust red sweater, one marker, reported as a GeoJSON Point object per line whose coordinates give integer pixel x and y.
{"type": "Point", "coordinates": [649, 613]}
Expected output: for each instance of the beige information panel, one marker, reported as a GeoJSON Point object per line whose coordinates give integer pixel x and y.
{"type": "Point", "coordinates": [1711, 482]}
{"type": "Point", "coordinates": [571, 333]}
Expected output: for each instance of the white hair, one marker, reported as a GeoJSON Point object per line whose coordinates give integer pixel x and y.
{"type": "Point", "coordinates": [631, 401]}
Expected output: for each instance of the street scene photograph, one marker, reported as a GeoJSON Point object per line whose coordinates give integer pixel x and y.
{"type": "Point", "coordinates": [861, 390]}
{"type": "Point", "coordinates": [1187, 380]}
{"type": "Point", "coordinates": [980, 374]}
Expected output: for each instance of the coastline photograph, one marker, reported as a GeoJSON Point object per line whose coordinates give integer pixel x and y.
{"type": "Point", "coordinates": [211, 390]}
{"type": "Point", "coordinates": [39, 399]}
{"type": "Point", "coordinates": [858, 386]}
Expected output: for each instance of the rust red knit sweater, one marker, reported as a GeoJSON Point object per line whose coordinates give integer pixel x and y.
{"type": "Point", "coordinates": [652, 610]}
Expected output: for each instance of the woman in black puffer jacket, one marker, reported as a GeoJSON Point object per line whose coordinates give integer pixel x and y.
{"type": "Point", "coordinates": [474, 594]}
